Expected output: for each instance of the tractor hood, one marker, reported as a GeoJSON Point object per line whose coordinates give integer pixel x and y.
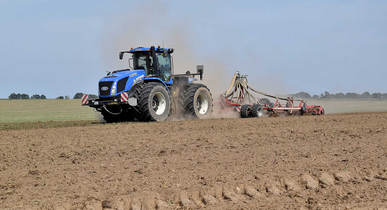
{"type": "Point", "coordinates": [119, 81]}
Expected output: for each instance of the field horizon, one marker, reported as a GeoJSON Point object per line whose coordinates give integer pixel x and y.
{"type": "Point", "coordinates": [45, 110]}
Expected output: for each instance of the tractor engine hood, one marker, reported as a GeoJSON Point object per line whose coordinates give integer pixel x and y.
{"type": "Point", "coordinates": [118, 82]}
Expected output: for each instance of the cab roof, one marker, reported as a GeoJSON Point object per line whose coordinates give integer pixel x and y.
{"type": "Point", "coordinates": [144, 49]}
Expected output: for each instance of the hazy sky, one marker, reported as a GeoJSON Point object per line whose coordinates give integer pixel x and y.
{"type": "Point", "coordinates": [63, 47]}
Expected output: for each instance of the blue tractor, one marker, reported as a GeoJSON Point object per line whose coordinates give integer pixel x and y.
{"type": "Point", "coordinates": [149, 90]}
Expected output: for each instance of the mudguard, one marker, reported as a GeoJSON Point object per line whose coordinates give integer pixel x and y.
{"type": "Point", "coordinates": [156, 79]}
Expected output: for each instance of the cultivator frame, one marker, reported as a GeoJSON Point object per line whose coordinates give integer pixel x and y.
{"type": "Point", "coordinates": [248, 102]}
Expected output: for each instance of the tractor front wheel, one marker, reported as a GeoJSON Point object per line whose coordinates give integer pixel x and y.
{"type": "Point", "coordinates": [154, 102]}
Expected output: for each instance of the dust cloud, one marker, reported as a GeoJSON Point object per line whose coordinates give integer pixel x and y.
{"type": "Point", "coordinates": [158, 27]}
{"type": "Point", "coordinates": [152, 23]}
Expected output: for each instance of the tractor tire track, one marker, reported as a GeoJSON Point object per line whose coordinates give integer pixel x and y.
{"type": "Point", "coordinates": [229, 197]}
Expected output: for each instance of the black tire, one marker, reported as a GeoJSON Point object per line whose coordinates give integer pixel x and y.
{"type": "Point", "coordinates": [256, 110]}
{"type": "Point", "coordinates": [109, 117]}
{"type": "Point", "coordinates": [266, 102]}
{"type": "Point", "coordinates": [125, 115]}
{"type": "Point", "coordinates": [197, 101]}
{"type": "Point", "coordinates": [154, 103]}
{"type": "Point", "coordinates": [245, 111]}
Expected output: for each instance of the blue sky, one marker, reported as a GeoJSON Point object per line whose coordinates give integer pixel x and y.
{"type": "Point", "coordinates": [63, 47]}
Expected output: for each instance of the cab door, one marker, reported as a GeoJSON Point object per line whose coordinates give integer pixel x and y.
{"type": "Point", "coordinates": [164, 65]}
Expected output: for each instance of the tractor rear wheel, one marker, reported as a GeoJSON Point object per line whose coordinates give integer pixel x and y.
{"type": "Point", "coordinates": [197, 101]}
{"type": "Point", "coordinates": [154, 103]}
{"type": "Point", "coordinates": [245, 111]}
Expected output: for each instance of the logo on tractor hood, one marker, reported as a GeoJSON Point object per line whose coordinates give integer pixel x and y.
{"type": "Point", "coordinates": [104, 88]}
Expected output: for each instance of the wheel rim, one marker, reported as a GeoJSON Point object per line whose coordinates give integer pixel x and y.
{"type": "Point", "coordinates": [202, 104]}
{"type": "Point", "coordinates": [159, 103]}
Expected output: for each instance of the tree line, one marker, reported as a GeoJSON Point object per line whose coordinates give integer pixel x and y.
{"type": "Point", "coordinates": [349, 95]}
{"type": "Point", "coordinates": [78, 95]}
{"type": "Point", "coordinates": [25, 96]}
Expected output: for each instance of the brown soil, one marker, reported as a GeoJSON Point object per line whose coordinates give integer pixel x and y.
{"type": "Point", "coordinates": [337, 161]}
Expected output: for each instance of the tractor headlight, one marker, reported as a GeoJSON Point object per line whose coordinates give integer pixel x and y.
{"type": "Point", "coordinates": [114, 88]}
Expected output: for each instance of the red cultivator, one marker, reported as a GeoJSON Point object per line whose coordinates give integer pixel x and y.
{"type": "Point", "coordinates": [246, 100]}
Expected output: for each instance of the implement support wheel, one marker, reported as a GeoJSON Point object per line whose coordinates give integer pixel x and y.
{"type": "Point", "coordinates": [245, 111]}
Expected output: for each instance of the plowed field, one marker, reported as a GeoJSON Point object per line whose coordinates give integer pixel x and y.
{"type": "Point", "coordinates": [333, 161]}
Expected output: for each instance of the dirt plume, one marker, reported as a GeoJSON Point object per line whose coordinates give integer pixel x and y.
{"type": "Point", "coordinates": [138, 28]}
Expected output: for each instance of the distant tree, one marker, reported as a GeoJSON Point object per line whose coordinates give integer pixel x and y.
{"type": "Point", "coordinates": [377, 95]}
{"type": "Point", "coordinates": [12, 96]}
{"type": "Point", "coordinates": [43, 97]}
{"type": "Point", "coordinates": [60, 97]}
{"type": "Point", "coordinates": [315, 97]}
{"type": "Point", "coordinates": [19, 96]}
{"type": "Point", "coordinates": [366, 95]}
{"type": "Point", "coordinates": [35, 96]}
{"type": "Point", "coordinates": [326, 94]}
{"type": "Point", "coordinates": [352, 95]}
{"type": "Point", "coordinates": [302, 95]}
{"type": "Point", "coordinates": [67, 97]}
{"type": "Point", "coordinates": [78, 96]}
{"type": "Point", "coordinates": [25, 96]}
{"type": "Point", "coordinates": [340, 95]}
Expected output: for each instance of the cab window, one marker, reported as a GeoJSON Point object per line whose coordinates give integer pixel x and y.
{"type": "Point", "coordinates": [164, 65]}
{"type": "Point", "coordinates": [143, 61]}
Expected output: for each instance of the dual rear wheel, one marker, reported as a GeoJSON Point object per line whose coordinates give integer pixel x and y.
{"type": "Point", "coordinates": [155, 102]}
{"type": "Point", "coordinates": [196, 101]}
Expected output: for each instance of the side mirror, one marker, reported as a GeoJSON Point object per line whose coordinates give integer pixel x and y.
{"type": "Point", "coordinates": [200, 70]}
{"type": "Point", "coordinates": [121, 55]}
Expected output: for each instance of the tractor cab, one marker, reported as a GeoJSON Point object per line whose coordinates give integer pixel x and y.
{"type": "Point", "coordinates": [156, 62]}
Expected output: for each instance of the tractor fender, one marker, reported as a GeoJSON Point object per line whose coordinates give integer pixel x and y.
{"type": "Point", "coordinates": [156, 79]}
